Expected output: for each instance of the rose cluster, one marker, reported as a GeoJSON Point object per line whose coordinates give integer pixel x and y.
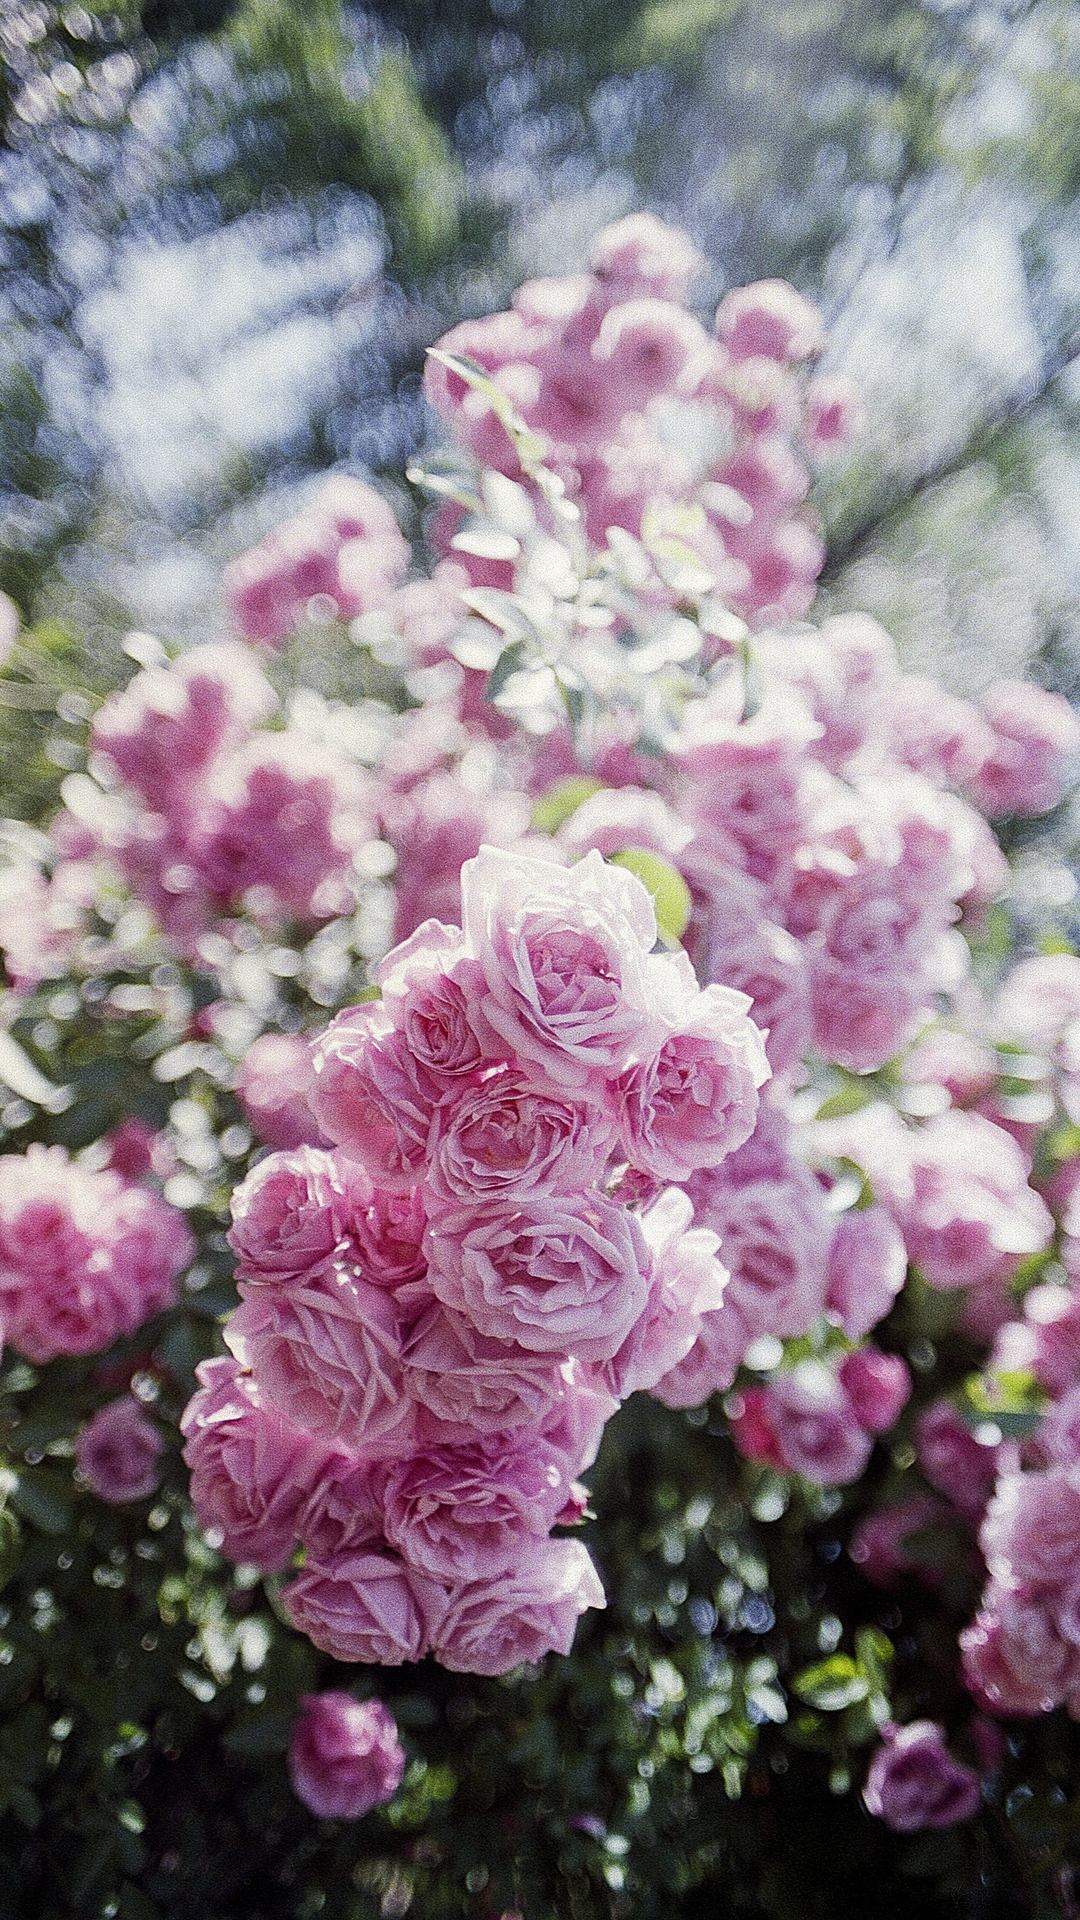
{"type": "Point", "coordinates": [441, 1311]}
{"type": "Point", "coordinates": [85, 1256]}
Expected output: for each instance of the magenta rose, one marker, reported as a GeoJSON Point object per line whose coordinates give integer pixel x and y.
{"type": "Point", "coordinates": [914, 1782]}
{"type": "Point", "coordinates": [491, 1626]}
{"type": "Point", "coordinates": [344, 1755]}
{"type": "Point", "coordinates": [553, 1273]}
{"type": "Point", "coordinates": [117, 1452]}
{"type": "Point", "coordinates": [359, 1606]}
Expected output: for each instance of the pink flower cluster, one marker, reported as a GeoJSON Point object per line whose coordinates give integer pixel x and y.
{"type": "Point", "coordinates": [84, 1256]}
{"type": "Point", "coordinates": [340, 557]}
{"type": "Point", "coordinates": [597, 363]}
{"type": "Point", "coordinates": [441, 1311]}
{"type": "Point", "coordinates": [210, 813]}
{"type": "Point", "coordinates": [344, 1755]}
{"type": "Point", "coordinates": [820, 1420]}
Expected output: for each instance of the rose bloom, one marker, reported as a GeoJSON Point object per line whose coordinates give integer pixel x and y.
{"type": "Point", "coordinates": [867, 1268]}
{"type": "Point", "coordinates": [1031, 1533]}
{"type": "Point", "coordinates": [471, 1512]}
{"type": "Point", "coordinates": [504, 1138]}
{"type": "Point", "coordinates": [251, 1470]}
{"type": "Point", "coordinates": [816, 1429]}
{"type": "Point", "coordinates": [914, 1782]}
{"type": "Point", "coordinates": [491, 1626]}
{"type": "Point", "coordinates": [294, 1211]}
{"type": "Point", "coordinates": [328, 1355]}
{"type": "Point", "coordinates": [344, 1755]}
{"type": "Point", "coordinates": [562, 952]}
{"type": "Point", "coordinates": [695, 1100]}
{"type": "Point", "coordinates": [359, 1606]}
{"type": "Point", "coordinates": [84, 1257]}
{"type": "Point", "coordinates": [1013, 1657]}
{"type": "Point", "coordinates": [462, 1383]}
{"type": "Point", "coordinates": [552, 1273]}
{"type": "Point", "coordinates": [374, 1097]}
{"type": "Point", "coordinates": [953, 1460]}
{"type": "Point", "coordinates": [274, 1078]}
{"type": "Point", "coordinates": [117, 1452]}
{"type": "Point", "coordinates": [686, 1286]}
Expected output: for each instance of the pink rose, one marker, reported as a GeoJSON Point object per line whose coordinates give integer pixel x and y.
{"type": "Point", "coordinates": [775, 1233]}
{"type": "Point", "coordinates": [562, 952]}
{"type": "Point", "coordinates": [1036, 736]}
{"type": "Point", "coordinates": [503, 1139]}
{"type": "Point", "coordinates": [817, 1432]}
{"type": "Point", "coordinates": [878, 1386]}
{"type": "Point", "coordinates": [867, 1268]}
{"type": "Point", "coordinates": [472, 1511]}
{"type": "Point", "coordinates": [554, 1273]}
{"type": "Point", "coordinates": [462, 1383]}
{"type": "Point", "coordinates": [953, 1460]}
{"type": "Point", "coordinates": [342, 1514]}
{"type": "Point", "coordinates": [1031, 1533]}
{"type": "Point", "coordinates": [328, 1355]}
{"type": "Point", "coordinates": [693, 1101]}
{"type": "Point", "coordinates": [1013, 1658]}
{"type": "Point", "coordinates": [117, 1452]}
{"type": "Point", "coordinates": [879, 1544]}
{"type": "Point", "coordinates": [914, 1783]}
{"type": "Point", "coordinates": [294, 1212]}
{"type": "Point", "coordinates": [359, 1606]}
{"type": "Point", "coordinates": [251, 1470]}
{"type": "Point", "coordinates": [712, 1362]}
{"type": "Point", "coordinates": [373, 1097]}
{"type": "Point", "coordinates": [273, 1082]}
{"type": "Point", "coordinates": [770, 318]}
{"type": "Point", "coordinates": [344, 1755]}
{"type": "Point", "coordinates": [686, 1285]}
{"type": "Point", "coordinates": [491, 1626]}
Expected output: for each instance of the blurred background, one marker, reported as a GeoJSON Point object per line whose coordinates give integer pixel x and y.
{"type": "Point", "coordinates": [229, 230]}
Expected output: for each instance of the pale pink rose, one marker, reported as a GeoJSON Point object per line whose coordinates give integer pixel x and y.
{"type": "Point", "coordinates": [1031, 1533]}
{"type": "Point", "coordinates": [817, 1432]}
{"type": "Point", "coordinates": [84, 1257]}
{"type": "Point", "coordinates": [644, 254]}
{"type": "Point", "coordinates": [463, 1384]}
{"type": "Point", "coordinates": [117, 1452]}
{"type": "Point", "coordinates": [344, 1755]}
{"type": "Point", "coordinates": [967, 1068]}
{"type": "Point", "coordinates": [491, 1626]}
{"type": "Point", "coordinates": [251, 1470]}
{"type": "Point", "coordinates": [42, 921]}
{"type": "Point", "coordinates": [1052, 1325]}
{"type": "Point", "coordinates": [1036, 738]}
{"type": "Point", "coordinates": [784, 561]}
{"type": "Point", "coordinates": [565, 1274]}
{"type": "Point", "coordinates": [867, 1268]}
{"type": "Point", "coordinates": [1038, 1001]}
{"type": "Point", "coordinates": [692, 1102]}
{"type": "Point", "coordinates": [621, 817]}
{"type": "Point", "coordinates": [763, 395]}
{"type": "Point", "coordinates": [878, 1385]}
{"type": "Point", "coordinates": [373, 1097]}
{"type": "Point", "coordinates": [273, 1081]}
{"type": "Point", "coordinates": [770, 318]}
{"type": "Point", "coordinates": [328, 1355]}
{"type": "Point", "coordinates": [163, 730]}
{"type": "Point", "coordinates": [1014, 1660]}
{"type": "Point", "coordinates": [879, 1545]}
{"type": "Point", "coordinates": [503, 1139]}
{"type": "Point", "coordinates": [953, 1460]}
{"type": "Point", "coordinates": [562, 951]}
{"type": "Point", "coordinates": [433, 1013]}
{"type": "Point", "coordinates": [686, 1285]}
{"type": "Point", "coordinates": [359, 1606]}
{"type": "Point", "coordinates": [471, 1512]}
{"type": "Point", "coordinates": [934, 732]}
{"type": "Point", "coordinates": [915, 1783]}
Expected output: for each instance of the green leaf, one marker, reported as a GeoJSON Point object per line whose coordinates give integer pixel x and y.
{"type": "Point", "coordinates": [510, 660]}
{"type": "Point", "coordinates": [833, 1684]}
{"type": "Point", "coordinates": [561, 801]}
{"type": "Point", "coordinates": [43, 1498]}
{"type": "Point", "coordinates": [849, 1100]}
{"type": "Point", "coordinates": [671, 895]}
